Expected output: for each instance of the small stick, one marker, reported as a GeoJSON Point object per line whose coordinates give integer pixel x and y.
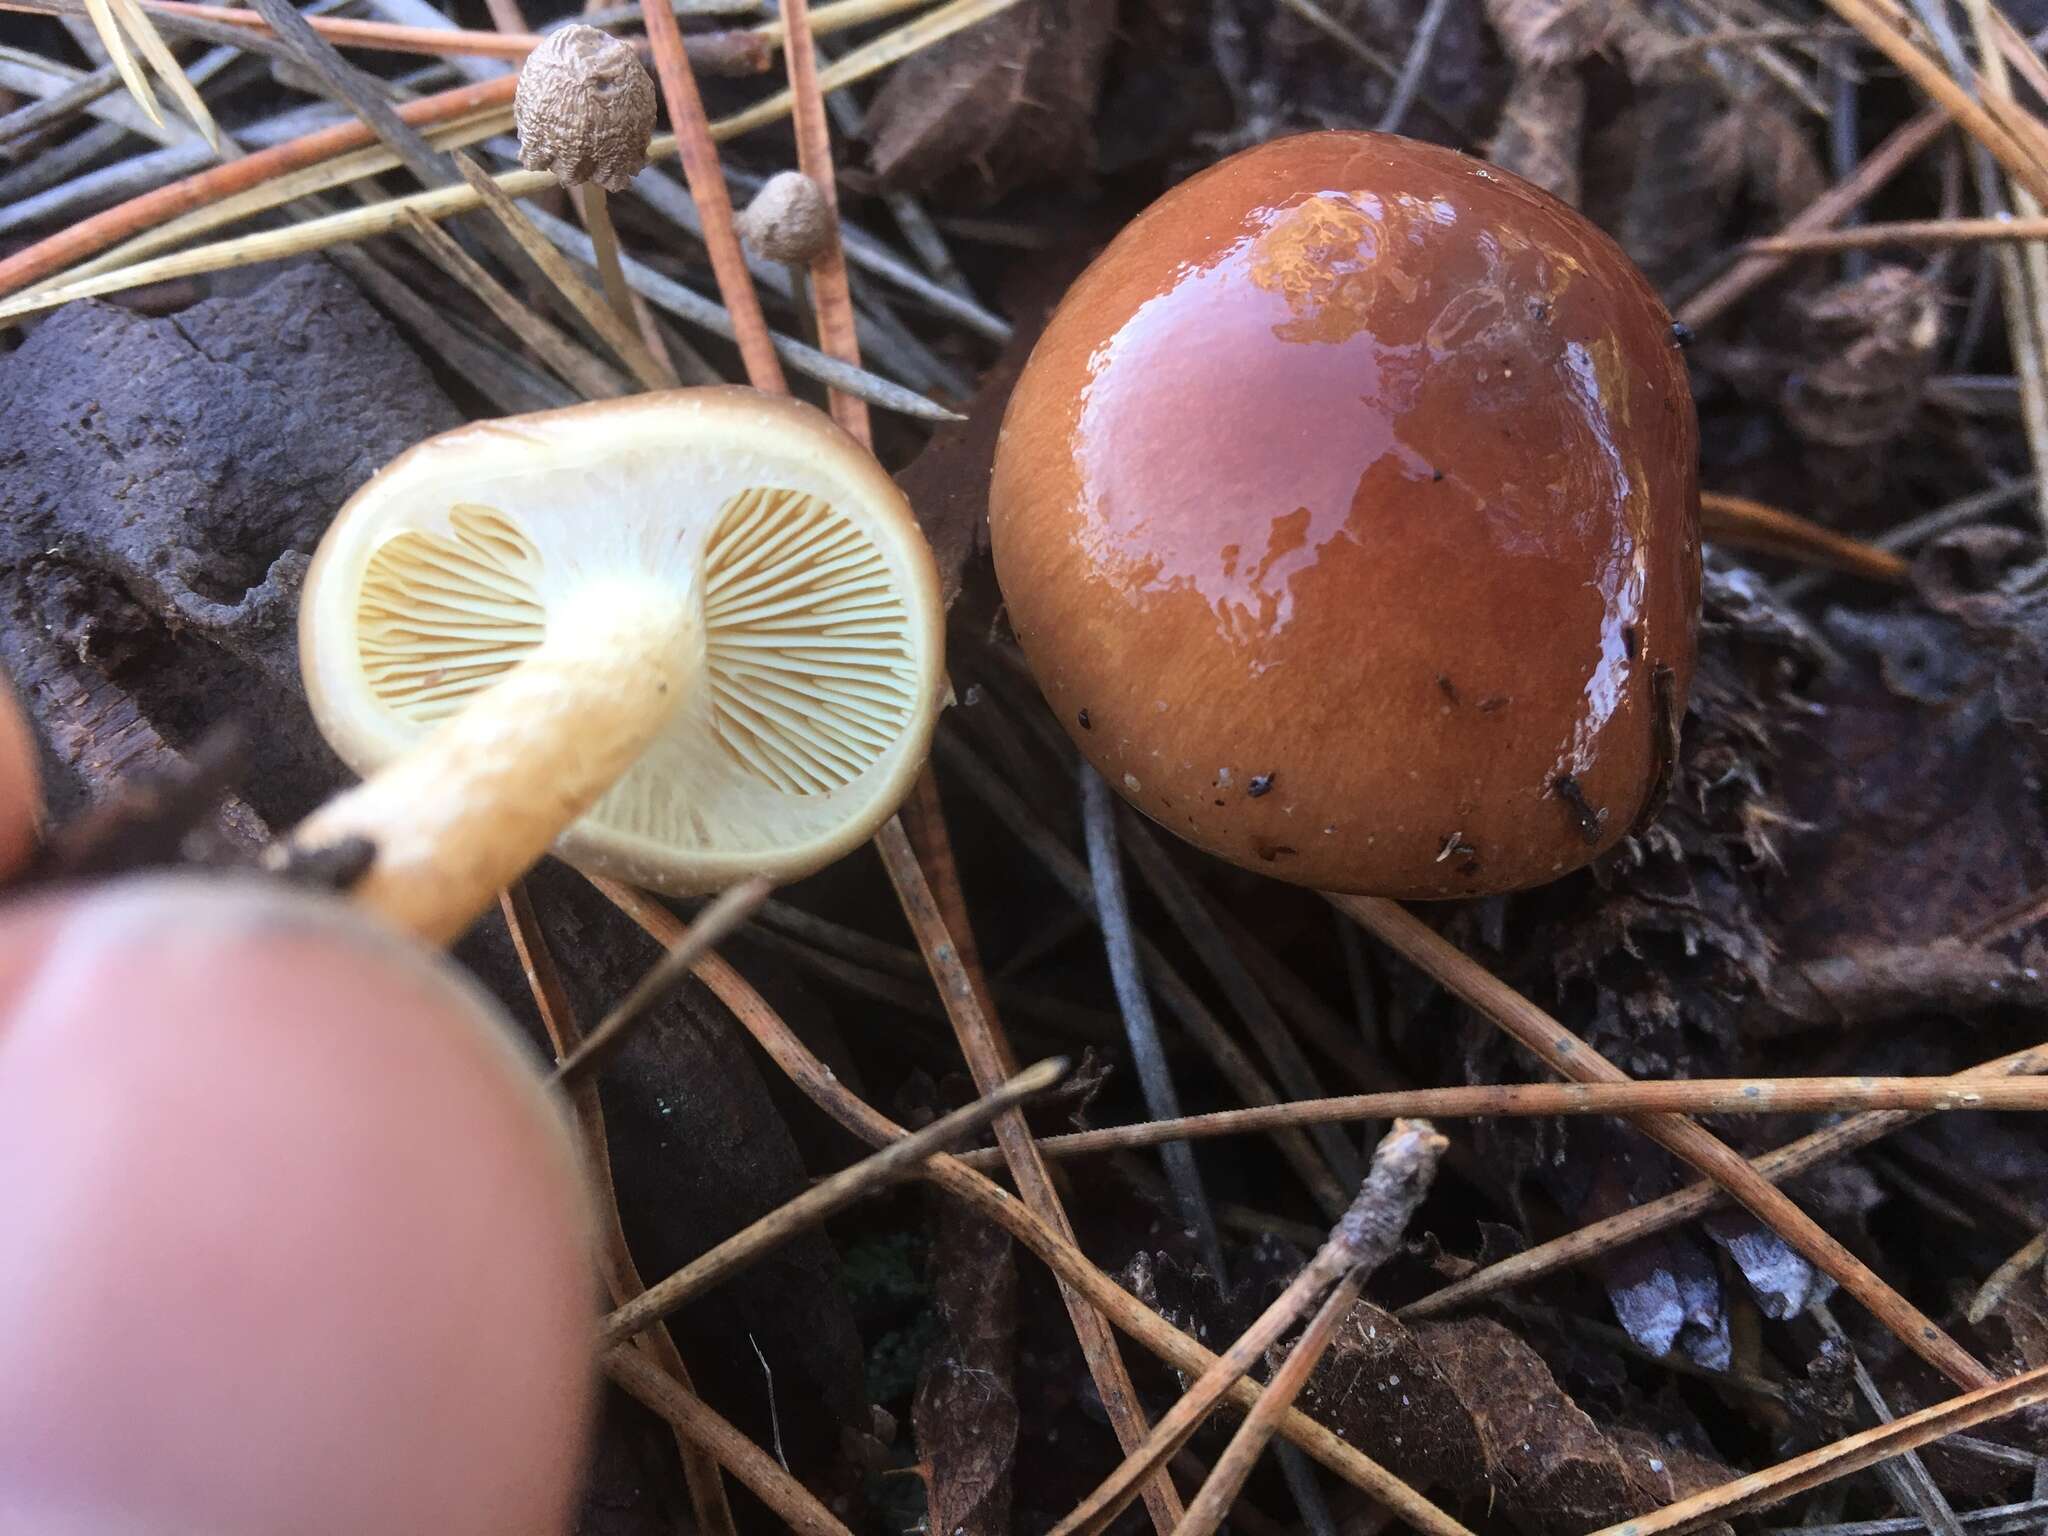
{"type": "Point", "coordinates": [1682, 1205]}
{"type": "Point", "coordinates": [1565, 1053]}
{"type": "Point", "coordinates": [865, 1177]}
{"type": "Point", "coordinates": [1931, 232]}
{"type": "Point", "coordinates": [980, 1045]}
{"type": "Point", "coordinates": [1852, 1454]}
{"type": "Point", "coordinates": [1689, 1096]}
{"type": "Point", "coordinates": [707, 186]}
{"type": "Point", "coordinates": [1141, 1029]}
{"type": "Point", "coordinates": [732, 908]}
{"type": "Point", "coordinates": [1366, 1237]}
{"type": "Point", "coordinates": [1750, 524]}
{"type": "Point", "coordinates": [792, 1503]}
{"type": "Point", "coordinates": [830, 293]}
{"type": "Point", "coordinates": [1217, 1496]}
{"type": "Point", "coordinates": [1900, 149]}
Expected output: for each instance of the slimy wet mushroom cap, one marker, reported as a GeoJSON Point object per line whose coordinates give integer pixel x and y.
{"type": "Point", "coordinates": [1347, 513]}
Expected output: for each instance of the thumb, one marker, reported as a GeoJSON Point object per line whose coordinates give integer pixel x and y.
{"type": "Point", "coordinates": [291, 1240]}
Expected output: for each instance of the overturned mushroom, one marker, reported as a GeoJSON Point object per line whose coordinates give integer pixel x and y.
{"type": "Point", "coordinates": [683, 638]}
{"type": "Point", "coordinates": [1347, 513]}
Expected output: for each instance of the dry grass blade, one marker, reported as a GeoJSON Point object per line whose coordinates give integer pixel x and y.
{"type": "Point", "coordinates": [39, 261]}
{"type": "Point", "coordinates": [795, 1505]}
{"type": "Point", "coordinates": [824, 1088]}
{"type": "Point", "coordinates": [1841, 1458]}
{"type": "Point", "coordinates": [1752, 525]}
{"type": "Point", "coordinates": [1691, 1096]}
{"type": "Point", "coordinates": [570, 362]}
{"type": "Point", "coordinates": [622, 1277]}
{"type": "Point", "coordinates": [2016, 147]}
{"type": "Point", "coordinates": [1624, 1227]}
{"type": "Point", "coordinates": [1402, 1169]}
{"type": "Point", "coordinates": [136, 23]}
{"type": "Point", "coordinates": [95, 234]}
{"type": "Point", "coordinates": [715, 922]}
{"type": "Point", "coordinates": [589, 303]}
{"type": "Point", "coordinates": [101, 13]}
{"type": "Point", "coordinates": [1565, 1053]}
{"type": "Point", "coordinates": [866, 1177]}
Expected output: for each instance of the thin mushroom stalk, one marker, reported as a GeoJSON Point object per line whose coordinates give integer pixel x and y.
{"type": "Point", "coordinates": [681, 639]}
{"type": "Point", "coordinates": [585, 114]}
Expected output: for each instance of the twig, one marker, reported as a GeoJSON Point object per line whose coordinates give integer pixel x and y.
{"type": "Point", "coordinates": [1406, 84]}
{"type": "Point", "coordinates": [1148, 1054]}
{"type": "Point", "coordinates": [622, 1276]}
{"type": "Point", "coordinates": [2002, 1279]}
{"type": "Point", "coordinates": [1907, 1476]}
{"type": "Point", "coordinates": [975, 1030]}
{"type": "Point", "coordinates": [1917, 531]}
{"type": "Point", "coordinates": [1904, 145]}
{"type": "Point", "coordinates": [831, 296]}
{"type": "Point", "coordinates": [1567, 1054]}
{"type": "Point", "coordinates": [824, 1088]}
{"type": "Point", "coordinates": [691, 1415]}
{"type": "Point", "coordinates": [1841, 1458]}
{"type": "Point", "coordinates": [1750, 524]}
{"type": "Point", "coordinates": [700, 168]}
{"type": "Point", "coordinates": [1217, 1496]}
{"type": "Point", "coordinates": [1180, 998]}
{"type": "Point", "coordinates": [1364, 1239]}
{"type": "Point", "coordinates": [715, 922]}
{"type": "Point", "coordinates": [1689, 1096]}
{"type": "Point", "coordinates": [866, 1177]}
{"type": "Point", "coordinates": [1933, 232]}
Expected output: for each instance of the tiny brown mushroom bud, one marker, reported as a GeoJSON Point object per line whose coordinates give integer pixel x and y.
{"type": "Point", "coordinates": [584, 109]}
{"type": "Point", "coordinates": [788, 220]}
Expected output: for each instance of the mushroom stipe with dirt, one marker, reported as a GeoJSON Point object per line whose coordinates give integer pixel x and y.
{"type": "Point", "coordinates": [682, 639]}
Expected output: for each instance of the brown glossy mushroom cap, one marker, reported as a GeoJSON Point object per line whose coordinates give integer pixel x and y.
{"type": "Point", "coordinates": [1347, 512]}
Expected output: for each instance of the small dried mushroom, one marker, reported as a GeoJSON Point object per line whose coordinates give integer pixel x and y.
{"type": "Point", "coordinates": [684, 638]}
{"type": "Point", "coordinates": [1349, 500]}
{"type": "Point", "coordinates": [584, 109]}
{"type": "Point", "coordinates": [788, 220]}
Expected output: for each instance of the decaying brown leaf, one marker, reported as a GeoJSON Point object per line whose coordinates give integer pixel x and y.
{"type": "Point", "coordinates": [995, 107]}
{"type": "Point", "coordinates": [1542, 129]}
{"type": "Point", "coordinates": [1547, 34]}
{"type": "Point", "coordinates": [1467, 1406]}
{"type": "Point", "coordinates": [965, 1413]}
{"type": "Point", "coordinates": [1869, 348]}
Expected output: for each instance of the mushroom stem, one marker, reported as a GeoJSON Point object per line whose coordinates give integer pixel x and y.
{"type": "Point", "coordinates": [604, 240]}
{"type": "Point", "coordinates": [483, 797]}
